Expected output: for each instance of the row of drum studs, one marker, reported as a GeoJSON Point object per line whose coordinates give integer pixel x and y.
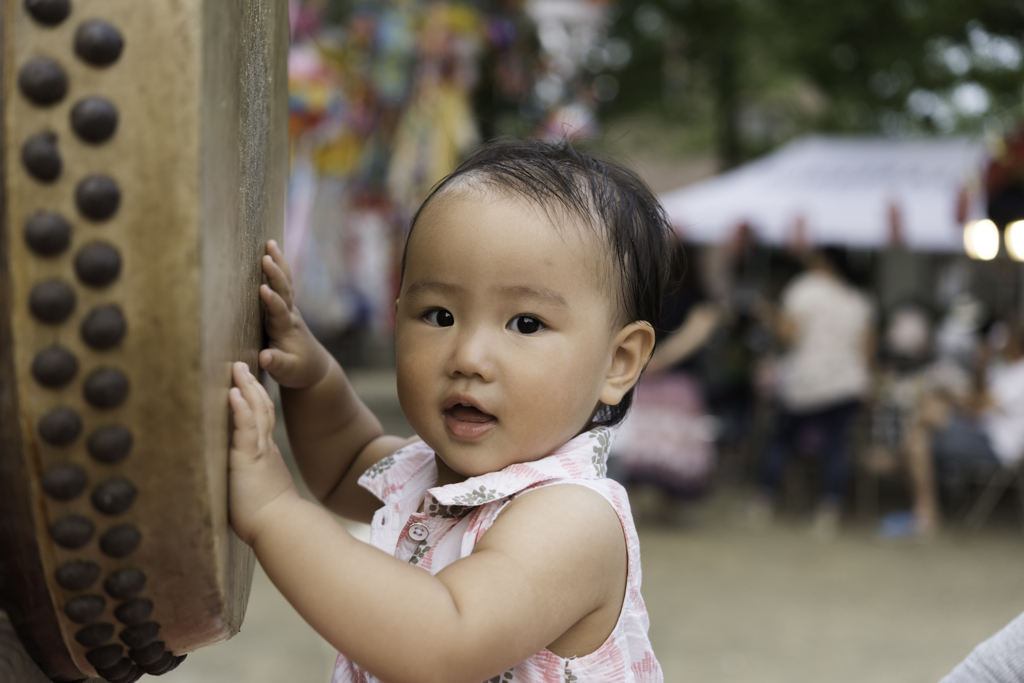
{"type": "Point", "coordinates": [97, 197]}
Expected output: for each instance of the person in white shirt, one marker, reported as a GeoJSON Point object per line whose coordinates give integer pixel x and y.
{"type": "Point", "coordinates": [828, 326]}
{"type": "Point", "coordinates": [986, 426]}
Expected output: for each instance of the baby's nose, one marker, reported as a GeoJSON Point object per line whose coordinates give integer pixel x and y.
{"type": "Point", "coordinates": [472, 356]}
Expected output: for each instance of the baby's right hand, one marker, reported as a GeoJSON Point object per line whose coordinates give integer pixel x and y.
{"type": "Point", "coordinates": [294, 359]}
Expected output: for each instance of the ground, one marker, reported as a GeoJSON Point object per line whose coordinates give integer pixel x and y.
{"type": "Point", "coordinates": [732, 606]}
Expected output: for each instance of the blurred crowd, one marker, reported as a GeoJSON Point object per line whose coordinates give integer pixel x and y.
{"type": "Point", "coordinates": [753, 380]}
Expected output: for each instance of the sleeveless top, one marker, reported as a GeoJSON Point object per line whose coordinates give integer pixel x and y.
{"type": "Point", "coordinates": [455, 517]}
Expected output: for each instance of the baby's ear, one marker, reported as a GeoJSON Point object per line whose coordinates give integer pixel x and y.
{"type": "Point", "coordinates": [630, 351]}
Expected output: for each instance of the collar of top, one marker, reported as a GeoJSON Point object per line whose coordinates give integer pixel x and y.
{"type": "Point", "coordinates": [583, 457]}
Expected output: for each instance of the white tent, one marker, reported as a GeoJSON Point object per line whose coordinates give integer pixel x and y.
{"type": "Point", "coordinates": [857, 192]}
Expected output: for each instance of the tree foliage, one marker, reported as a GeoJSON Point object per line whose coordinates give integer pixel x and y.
{"type": "Point", "coordinates": [764, 70]}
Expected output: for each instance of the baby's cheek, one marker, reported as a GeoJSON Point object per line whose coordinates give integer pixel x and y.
{"type": "Point", "coordinates": [412, 387]}
{"type": "Point", "coordinates": [559, 392]}
{"type": "Point", "coordinates": [410, 396]}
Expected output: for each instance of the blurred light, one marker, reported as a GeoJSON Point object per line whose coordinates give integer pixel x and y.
{"type": "Point", "coordinates": [957, 59]}
{"type": "Point", "coordinates": [1015, 240]}
{"type": "Point", "coordinates": [927, 104]}
{"type": "Point", "coordinates": [619, 53]}
{"type": "Point", "coordinates": [605, 88]}
{"type": "Point", "coordinates": [971, 98]}
{"type": "Point", "coordinates": [884, 84]}
{"type": "Point", "coordinates": [649, 20]}
{"type": "Point", "coordinates": [844, 57]}
{"type": "Point", "coordinates": [999, 51]}
{"type": "Point", "coordinates": [596, 61]}
{"type": "Point", "coordinates": [981, 239]}
{"type": "Point", "coordinates": [549, 89]}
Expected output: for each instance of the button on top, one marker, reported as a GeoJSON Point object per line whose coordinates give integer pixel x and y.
{"type": "Point", "coordinates": [114, 496]}
{"type": "Point", "coordinates": [98, 42]}
{"type": "Point", "coordinates": [47, 233]}
{"type": "Point", "coordinates": [85, 609]}
{"type": "Point", "coordinates": [40, 156]}
{"type": "Point", "coordinates": [54, 366]}
{"type": "Point", "coordinates": [60, 426]}
{"type": "Point", "coordinates": [97, 197]}
{"type": "Point", "coordinates": [98, 264]}
{"type": "Point", "coordinates": [120, 541]}
{"type": "Point", "coordinates": [138, 637]}
{"type": "Point", "coordinates": [103, 327]}
{"type": "Point", "coordinates": [72, 531]}
{"type": "Point", "coordinates": [64, 481]}
{"type": "Point", "coordinates": [50, 12]}
{"type": "Point", "coordinates": [418, 532]}
{"type": "Point", "coordinates": [95, 634]}
{"type": "Point", "coordinates": [106, 388]}
{"type": "Point", "coordinates": [43, 81]}
{"type": "Point", "coordinates": [51, 301]}
{"type": "Point", "coordinates": [110, 444]}
{"type": "Point", "coordinates": [94, 119]}
{"type": "Point", "coordinates": [77, 575]}
{"type": "Point", "coordinates": [125, 584]}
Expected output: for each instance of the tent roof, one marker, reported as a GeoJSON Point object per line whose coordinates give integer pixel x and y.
{"type": "Point", "coordinates": [844, 190]}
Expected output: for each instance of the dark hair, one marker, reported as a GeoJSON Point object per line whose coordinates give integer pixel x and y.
{"type": "Point", "coordinates": [845, 264]}
{"type": "Point", "coordinates": [839, 259]}
{"type": "Point", "coordinates": [607, 196]}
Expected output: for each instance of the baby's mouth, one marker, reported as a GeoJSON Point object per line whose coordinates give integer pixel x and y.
{"type": "Point", "coordinates": [467, 413]}
{"type": "Point", "coordinates": [466, 422]}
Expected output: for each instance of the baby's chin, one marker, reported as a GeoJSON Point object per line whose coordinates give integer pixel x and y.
{"type": "Point", "coordinates": [458, 467]}
{"type": "Point", "coordinates": [466, 466]}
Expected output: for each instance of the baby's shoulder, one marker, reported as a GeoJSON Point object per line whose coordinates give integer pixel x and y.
{"type": "Point", "coordinates": [564, 538]}
{"type": "Point", "coordinates": [562, 513]}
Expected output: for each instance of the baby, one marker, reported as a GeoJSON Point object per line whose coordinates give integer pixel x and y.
{"type": "Point", "coordinates": [531, 286]}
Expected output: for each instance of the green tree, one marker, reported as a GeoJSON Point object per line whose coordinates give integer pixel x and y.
{"type": "Point", "coordinates": [763, 70]}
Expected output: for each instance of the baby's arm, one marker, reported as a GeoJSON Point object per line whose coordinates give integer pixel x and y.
{"type": "Point", "coordinates": [333, 435]}
{"type": "Point", "coordinates": [554, 558]}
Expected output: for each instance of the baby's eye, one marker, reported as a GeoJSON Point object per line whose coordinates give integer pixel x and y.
{"type": "Point", "coordinates": [440, 318]}
{"type": "Point", "coordinates": [525, 324]}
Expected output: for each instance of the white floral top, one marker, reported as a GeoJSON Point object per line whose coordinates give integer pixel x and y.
{"type": "Point", "coordinates": [455, 518]}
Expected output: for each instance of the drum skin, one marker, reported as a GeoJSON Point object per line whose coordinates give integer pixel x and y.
{"type": "Point", "coordinates": [144, 167]}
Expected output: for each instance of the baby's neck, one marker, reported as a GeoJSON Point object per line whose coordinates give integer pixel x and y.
{"type": "Point", "coordinates": [445, 474]}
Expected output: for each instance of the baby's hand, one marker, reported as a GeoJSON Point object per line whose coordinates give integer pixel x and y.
{"type": "Point", "coordinates": [258, 476]}
{"type": "Point", "coordinates": [295, 359]}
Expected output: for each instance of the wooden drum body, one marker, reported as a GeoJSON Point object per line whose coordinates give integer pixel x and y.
{"type": "Point", "coordinates": [144, 166]}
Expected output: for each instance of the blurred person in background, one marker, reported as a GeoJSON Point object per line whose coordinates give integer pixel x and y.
{"type": "Point", "coordinates": [955, 431]}
{"type": "Point", "coordinates": [666, 442]}
{"type": "Point", "coordinates": [827, 325]}
{"type": "Point", "coordinates": [736, 273]}
{"type": "Point", "coordinates": [921, 369]}
{"type": "Point", "coordinates": [905, 358]}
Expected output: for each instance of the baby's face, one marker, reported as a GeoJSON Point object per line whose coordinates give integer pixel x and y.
{"type": "Point", "coordinates": [505, 330]}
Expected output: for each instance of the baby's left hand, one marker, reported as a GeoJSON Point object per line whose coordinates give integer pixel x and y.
{"type": "Point", "coordinates": [258, 476]}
